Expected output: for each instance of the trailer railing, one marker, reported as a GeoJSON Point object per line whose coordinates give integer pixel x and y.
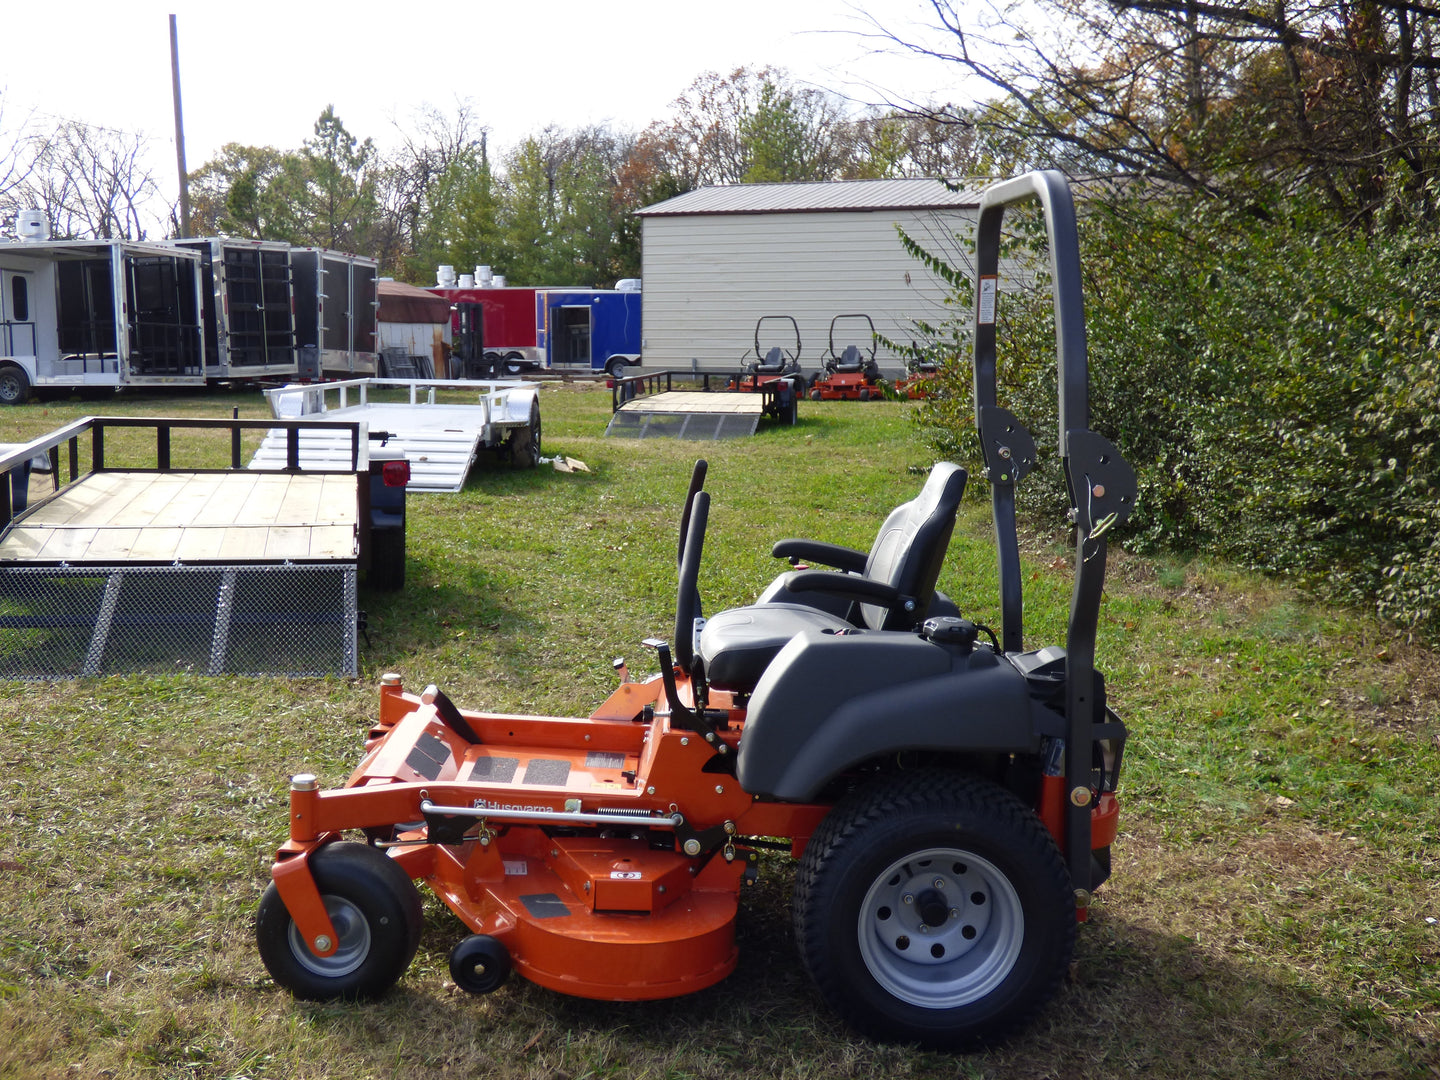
{"type": "Point", "coordinates": [62, 447]}
{"type": "Point", "coordinates": [660, 382]}
{"type": "Point", "coordinates": [313, 398]}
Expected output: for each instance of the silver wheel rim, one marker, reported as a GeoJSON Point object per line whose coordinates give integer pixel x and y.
{"type": "Point", "coordinates": [353, 930]}
{"type": "Point", "coordinates": [940, 928]}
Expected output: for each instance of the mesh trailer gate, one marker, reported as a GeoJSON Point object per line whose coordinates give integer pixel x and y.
{"type": "Point", "coordinates": [249, 619]}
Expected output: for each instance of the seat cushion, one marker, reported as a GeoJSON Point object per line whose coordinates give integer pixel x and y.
{"type": "Point", "coordinates": [737, 645]}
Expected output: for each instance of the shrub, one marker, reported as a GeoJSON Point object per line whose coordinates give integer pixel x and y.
{"type": "Point", "coordinates": [1276, 386]}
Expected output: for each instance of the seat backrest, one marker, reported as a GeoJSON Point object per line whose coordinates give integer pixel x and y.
{"type": "Point", "coordinates": [909, 550]}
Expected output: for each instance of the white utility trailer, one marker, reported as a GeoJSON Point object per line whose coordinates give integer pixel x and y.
{"type": "Point", "coordinates": [440, 440]}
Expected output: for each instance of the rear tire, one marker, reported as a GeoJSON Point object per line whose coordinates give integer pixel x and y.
{"type": "Point", "coordinates": [934, 908]}
{"type": "Point", "coordinates": [14, 385]}
{"type": "Point", "coordinates": [377, 915]}
{"type": "Point", "coordinates": [387, 559]}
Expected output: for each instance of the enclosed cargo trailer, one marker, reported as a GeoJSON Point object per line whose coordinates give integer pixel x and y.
{"type": "Point", "coordinates": [560, 327]}
{"type": "Point", "coordinates": [98, 313]}
{"type": "Point", "coordinates": [249, 307]}
{"type": "Point", "coordinates": [335, 302]}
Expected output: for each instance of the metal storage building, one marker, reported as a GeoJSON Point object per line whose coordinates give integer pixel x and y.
{"type": "Point", "coordinates": [718, 258]}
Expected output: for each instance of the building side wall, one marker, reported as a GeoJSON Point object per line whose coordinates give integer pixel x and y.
{"type": "Point", "coordinates": [708, 279]}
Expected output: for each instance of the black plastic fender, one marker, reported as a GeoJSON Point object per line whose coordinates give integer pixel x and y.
{"type": "Point", "coordinates": [829, 701]}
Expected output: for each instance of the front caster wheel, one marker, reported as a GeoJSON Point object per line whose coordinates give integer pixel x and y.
{"type": "Point", "coordinates": [934, 908]}
{"type": "Point", "coordinates": [480, 964]}
{"type": "Point", "coordinates": [376, 912]}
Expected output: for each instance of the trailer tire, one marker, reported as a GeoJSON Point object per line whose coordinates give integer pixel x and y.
{"type": "Point", "coordinates": [387, 559]}
{"type": "Point", "coordinates": [377, 915]}
{"type": "Point", "coordinates": [616, 368]}
{"type": "Point", "coordinates": [14, 385]}
{"type": "Point", "coordinates": [515, 363]}
{"type": "Point", "coordinates": [525, 442]}
{"type": "Point", "coordinates": [934, 908]}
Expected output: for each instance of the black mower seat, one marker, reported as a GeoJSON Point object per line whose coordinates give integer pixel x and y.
{"type": "Point", "coordinates": [773, 363]}
{"type": "Point", "coordinates": [893, 589]}
{"type": "Point", "coordinates": [738, 645]}
{"type": "Point", "coordinates": [850, 360]}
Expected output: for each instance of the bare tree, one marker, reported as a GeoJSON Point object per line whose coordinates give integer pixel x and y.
{"type": "Point", "coordinates": [16, 162]}
{"type": "Point", "coordinates": [1233, 99]}
{"type": "Point", "coordinates": [92, 182]}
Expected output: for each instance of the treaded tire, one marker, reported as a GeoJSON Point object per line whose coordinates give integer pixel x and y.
{"type": "Point", "coordinates": [971, 862]}
{"type": "Point", "coordinates": [14, 385]}
{"type": "Point", "coordinates": [524, 443]}
{"type": "Point", "coordinates": [377, 915]}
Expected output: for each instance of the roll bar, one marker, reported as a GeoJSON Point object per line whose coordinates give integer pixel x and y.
{"type": "Point", "coordinates": [1101, 483]}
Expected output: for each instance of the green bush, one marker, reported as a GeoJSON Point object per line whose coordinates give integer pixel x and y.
{"type": "Point", "coordinates": [1276, 386]}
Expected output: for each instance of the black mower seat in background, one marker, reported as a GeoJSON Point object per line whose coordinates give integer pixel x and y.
{"type": "Point", "coordinates": [892, 590]}
{"type": "Point", "coordinates": [774, 361]}
{"type": "Point", "coordinates": [850, 359]}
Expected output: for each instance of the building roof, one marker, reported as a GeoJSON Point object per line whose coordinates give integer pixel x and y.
{"type": "Point", "coordinates": [818, 197]}
{"type": "Point", "coordinates": [401, 303]}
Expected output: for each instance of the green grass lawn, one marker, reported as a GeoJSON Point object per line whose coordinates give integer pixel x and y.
{"type": "Point", "coordinates": [1277, 879]}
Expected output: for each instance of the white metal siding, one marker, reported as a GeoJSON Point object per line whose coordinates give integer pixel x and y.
{"type": "Point", "coordinates": [709, 278]}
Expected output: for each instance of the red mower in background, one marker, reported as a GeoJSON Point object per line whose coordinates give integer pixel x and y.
{"type": "Point", "coordinates": [772, 365]}
{"type": "Point", "coordinates": [947, 793]}
{"type": "Point", "coordinates": [918, 379]}
{"type": "Point", "coordinates": [852, 373]}
{"type": "Point", "coordinates": [770, 362]}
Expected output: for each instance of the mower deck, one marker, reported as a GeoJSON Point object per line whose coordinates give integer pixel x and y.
{"type": "Point", "coordinates": [641, 909]}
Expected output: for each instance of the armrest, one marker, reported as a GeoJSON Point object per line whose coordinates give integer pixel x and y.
{"type": "Point", "coordinates": [842, 558]}
{"type": "Point", "coordinates": [848, 586]}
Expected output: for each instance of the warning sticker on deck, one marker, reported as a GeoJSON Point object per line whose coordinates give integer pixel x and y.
{"type": "Point", "coordinates": [985, 306]}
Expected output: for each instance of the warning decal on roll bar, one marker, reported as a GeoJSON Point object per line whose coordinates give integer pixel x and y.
{"type": "Point", "coordinates": [985, 312]}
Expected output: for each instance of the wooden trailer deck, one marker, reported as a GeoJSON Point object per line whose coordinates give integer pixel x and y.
{"type": "Point", "coordinates": [151, 517]}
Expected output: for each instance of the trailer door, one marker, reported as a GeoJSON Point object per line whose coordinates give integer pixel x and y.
{"type": "Point", "coordinates": [163, 318]}
{"type": "Point", "coordinates": [571, 334]}
{"type": "Point", "coordinates": [277, 299]}
{"type": "Point", "coordinates": [17, 318]}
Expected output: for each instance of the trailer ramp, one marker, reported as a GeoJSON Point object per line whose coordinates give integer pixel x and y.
{"type": "Point", "coordinates": [688, 414]}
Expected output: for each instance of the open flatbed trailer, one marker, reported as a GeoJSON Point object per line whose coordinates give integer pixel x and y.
{"type": "Point", "coordinates": [441, 441]}
{"type": "Point", "coordinates": [645, 406]}
{"type": "Point", "coordinates": [135, 564]}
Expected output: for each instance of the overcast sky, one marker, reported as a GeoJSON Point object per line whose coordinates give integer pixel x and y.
{"type": "Point", "coordinates": [259, 73]}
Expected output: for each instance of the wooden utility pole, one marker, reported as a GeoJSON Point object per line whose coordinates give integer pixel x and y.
{"type": "Point", "coordinates": [179, 131]}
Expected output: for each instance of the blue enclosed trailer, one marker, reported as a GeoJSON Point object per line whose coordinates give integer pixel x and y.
{"type": "Point", "coordinates": [588, 329]}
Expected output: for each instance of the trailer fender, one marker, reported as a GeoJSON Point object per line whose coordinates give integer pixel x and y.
{"type": "Point", "coordinates": [515, 406]}
{"type": "Point", "coordinates": [829, 702]}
